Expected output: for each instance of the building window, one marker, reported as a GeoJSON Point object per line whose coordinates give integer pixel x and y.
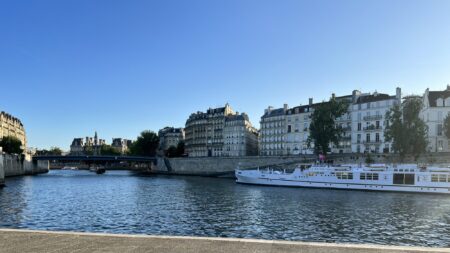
{"type": "Point", "coordinates": [359, 126]}
{"type": "Point", "coordinates": [439, 129]}
{"type": "Point", "coordinates": [377, 137]}
{"type": "Point", "coordinates": [367, 137]}
{"type": "Point", "coordinates": [289, 128]}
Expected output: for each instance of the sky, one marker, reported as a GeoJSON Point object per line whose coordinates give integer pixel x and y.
{"type": "Point", "coordinates": [69, 68]}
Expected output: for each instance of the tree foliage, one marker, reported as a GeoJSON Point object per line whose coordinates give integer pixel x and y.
{"type": "Point", "coordinates": [108, 150]}
{"type": "Point", "coordinates": [323, 129]}
{"type": "Point", "coordinates": [11, 145]}
{"type": "Point", "coordinates": [146, 144]}
{"type": "Point", "coordinates": [406, 129]}
{"type": "Point", "coordinates": [177, 151]}
{"type": "Point", "coordinates": [447, 126]}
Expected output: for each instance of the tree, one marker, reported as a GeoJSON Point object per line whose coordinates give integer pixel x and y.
{"type": "Point", "coordinates": [55, 151]}
{"type": "Point", "coordinates": [447, 126]}
{"type": "Point", "coordinates": [11, 145]}
{"type": "Point", "coordinates": [406, 129]}
{"type": "Point", "coordinates": [108, 150]}
{"type": "Point", "coordinates": [323, 129]}
{"type": "Point", "coordinates": [180, 148]}
{"type": "Point", "coordinates": [172, 151]}
{"type": "Point", "coordinates": [146, 144]}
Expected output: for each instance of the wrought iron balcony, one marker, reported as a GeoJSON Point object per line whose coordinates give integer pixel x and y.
{"type": "Point", "coordinates": [373, 117]}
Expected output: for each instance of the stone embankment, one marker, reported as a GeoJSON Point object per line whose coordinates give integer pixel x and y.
{"type": "Point", "coordinates": [17, 165]}
{"type": "Point", "coordinates": [41, 241]}
{"type": "Point", "coordinates": [225, 166]}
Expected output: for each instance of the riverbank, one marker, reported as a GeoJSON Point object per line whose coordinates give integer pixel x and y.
{"type": "Point", "coordinates": [18, 165]}
{"type": "Point", "coordinates": [225, 166]}
{"type": "Point", "coordinates": [13, 240]}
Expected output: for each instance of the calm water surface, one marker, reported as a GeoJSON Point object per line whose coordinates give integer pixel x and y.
{"type": "Point", "coordinates": [121, 202]}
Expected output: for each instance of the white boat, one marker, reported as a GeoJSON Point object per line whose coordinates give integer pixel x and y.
{"type": "Point", "coordinates": [400, 178]}
{"type": "Point", "coordinates": [69, 168]}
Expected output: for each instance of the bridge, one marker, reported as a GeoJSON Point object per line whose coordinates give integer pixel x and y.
{"type": "Point", "coordinates": [96, 158]}
{"type": "Point", "coordinates": [140, 163]}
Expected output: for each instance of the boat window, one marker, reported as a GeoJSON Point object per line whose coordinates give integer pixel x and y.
{"type": "Point", "coordinates": [369, 176]}
{"type": "Point", "coordinates": [442, 178]}
{"type": "Point", "coordinates": [401, 178]}
{"type": "Point", "coordinates": [374, 176]}
{"type": "Point", "coordinates": [350, 175]}
{"type": "Point", "coordinates": [434, 177]}
{"type": "Point", "coordinates": [362, 176]}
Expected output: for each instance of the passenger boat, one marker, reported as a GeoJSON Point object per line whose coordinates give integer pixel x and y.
{"type": "Point", "coordinates": [397, 178]}
{"type": "Point", "coordinates": [69, 168]}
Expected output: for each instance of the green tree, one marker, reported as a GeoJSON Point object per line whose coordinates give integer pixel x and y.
{"type": "Point", "coordinates": [323, 129]}
{"type": "Point", "coordinates": [146, 144]}
{"type": "Point", "coordinates": [406, 129]}
{"type": "Point", "coordinates": [172, 151]}
{"type": "Point", "coordinates": [447, 126]}
{"type": "Point", "coordinates": [108, 150]}
{"type": "Point", "coordinates": [54, 151]}
{"type": "Point", "coordinates": [11, 145]}
{"type": "Point", "coordinates": [180, 148]}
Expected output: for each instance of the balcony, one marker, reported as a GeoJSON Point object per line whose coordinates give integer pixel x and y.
{"type": "Point", "coordinates": [372, 128]}
{"type": "Point", "coordinates": [373, 117]}
{"type": "Point", "coordinates": [368, 142]}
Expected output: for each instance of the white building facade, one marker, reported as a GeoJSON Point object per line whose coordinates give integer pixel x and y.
{"type": "Point", "coordinates": [273, 132]}
{"type": "Point", "coordinates": [436, 109]}
{"type": "Point", "coordinates": [240, 137]}
{"type": "Point", "coordinates": [369, 121]}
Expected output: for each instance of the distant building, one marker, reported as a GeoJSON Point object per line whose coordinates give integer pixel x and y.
{"type": "Point", "coordinates": [285, 131]}
{"type": "Point", "coordinates": [205, 133]}
{"type": "Point", "coordinates": [240, 137]}
{"type": "Point", "coordinates": [170, 136]}
{"type": "Point", "coordinates": [436, 109]}
{"type": "Point", "coordinates": [121, 145]}
{"type": "Point", "coordinates": [369, 121]}
{"type": "Point", "coordinates": [297, 129]}
{"type": "Point", "coordinates": [273, 131]}
{"type": "Point", "coordinates": [12, 126]}
{"type": "Point", "coordinates": [89, 144]}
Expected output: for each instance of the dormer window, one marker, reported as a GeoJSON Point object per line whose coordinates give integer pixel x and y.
{"type": "Point", "coordinates": [439, 102]}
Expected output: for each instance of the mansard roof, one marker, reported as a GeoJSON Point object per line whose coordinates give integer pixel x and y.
{"type": "Point", "coordinates": [373, 98]}
{"type": "Point", "coordinates": [434, 95]}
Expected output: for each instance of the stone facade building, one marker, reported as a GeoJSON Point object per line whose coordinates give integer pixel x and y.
{"type": "Point", "coordinates": [297, 129]}
{"type": "Point", "coordinates": [273, 131]}
{"type": "Point", "coordinates": [12, 126]}
{"type": "Point", "coordinates": [369, 121]}
{"type": "Point", "coordinates": [204, 132]}
{"type": "Point", "coordinates": [121, 145]}
{"type": "Point", "coordinates": [240, 137]}
{"type": "Point", "coordinates": [436, 109]}
{"type": "Point", "coordinates": [170, 136]}
{"type": "Point", "coordinates": [80, 146]}
{"type": "Point", "coordinates": [285, 131]}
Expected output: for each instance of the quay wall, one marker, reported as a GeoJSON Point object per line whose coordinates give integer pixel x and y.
{"type": "Point", "coordinates": [225, 166]}
{"type": "Point", "coordinates": [46, 241]}
{"type": "Point", "coordinates": [18, 165]}
{"type": "Point", "coordinates": [2, 173]}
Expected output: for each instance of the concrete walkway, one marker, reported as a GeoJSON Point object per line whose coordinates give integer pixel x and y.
{"type": "Point", "coordinates": [23, 241]}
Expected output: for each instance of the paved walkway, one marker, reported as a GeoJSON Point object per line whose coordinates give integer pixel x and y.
{"type": "Point", "coordinates": [23, 241]}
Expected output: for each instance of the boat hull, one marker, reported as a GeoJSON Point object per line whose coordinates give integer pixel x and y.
{"type": "Point", "coordinates": [342, 186]}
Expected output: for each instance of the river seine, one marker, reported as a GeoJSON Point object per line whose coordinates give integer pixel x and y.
{"type": "Point", "coordinates": [122, 202]}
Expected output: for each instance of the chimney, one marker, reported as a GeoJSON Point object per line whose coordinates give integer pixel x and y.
{"type": "Point", "coordinates": [310, 101]}
{"type": "Point", "coordinates": [333, 95]}
{"type": "Point", "coordinates": [398, 93]}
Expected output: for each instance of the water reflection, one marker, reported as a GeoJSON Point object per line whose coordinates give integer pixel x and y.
{"type": "Point", "coordinates": [120, 202]}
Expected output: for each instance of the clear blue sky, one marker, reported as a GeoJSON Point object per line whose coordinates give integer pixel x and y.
{"type": "Point", "coordinates": [68, 68]}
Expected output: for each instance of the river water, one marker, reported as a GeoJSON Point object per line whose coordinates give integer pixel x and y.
{"type": "Point", "coordinates": [122, 202]}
